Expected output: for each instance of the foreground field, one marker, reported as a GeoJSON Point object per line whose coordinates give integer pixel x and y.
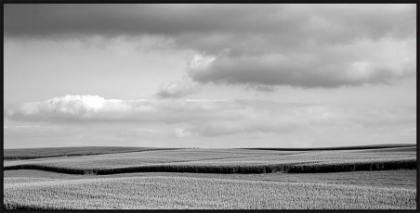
{"type": "Point", "coordinates": [199, 193]}
{"type": "Point", "coordinates": [363, 178]}
{"type": "Point", "coordinates": [385, 179]}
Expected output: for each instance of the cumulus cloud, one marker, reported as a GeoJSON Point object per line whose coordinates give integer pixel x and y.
{"type": "Point", "coordinates": [92, 108]}
{"type": "Point", "coordinates": [211, 118]}
{"type": "Point", "coordinates": [259, 46]}
{"type": "Point", "coordinates": [177, 89]}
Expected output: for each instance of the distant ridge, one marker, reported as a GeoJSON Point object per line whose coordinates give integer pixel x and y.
{"type": "Point", "coordinates": [48, 152]}
{"type": "Point", "coordinates": [378, 146]}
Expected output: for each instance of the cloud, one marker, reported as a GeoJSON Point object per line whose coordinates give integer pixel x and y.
{"type": "Point", "coordinates": [182, 133]}
{"type": "Point", "coordinates": [257, 46]}
{"type": "Point", "coordinates": [34, 131]}
{"type": "Point", "coordinates": [114, 20]}
{"type": "Point", "coordinates": [133, 132]}
{"type": "Point", "coordinates": [177, 89]}
{"type": "Point", "coordinates": [344, 21]}
{"type": "Point", "coordinates": [364, 62]}
{"type": "Point", "coordinates": [210, 118]}
{"type": "Point", "coordinates": [31, 128]}
{"type": "Point", "coordinates": [92, 108]}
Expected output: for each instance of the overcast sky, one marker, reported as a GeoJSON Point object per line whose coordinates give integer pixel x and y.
{"type": "Point", "coordinates": [209, 75]}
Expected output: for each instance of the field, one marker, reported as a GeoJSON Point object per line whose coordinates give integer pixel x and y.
{"type": "Point", "coordinates": [31, 153]}
{"type": "Point", "coordinates": [380, 177]}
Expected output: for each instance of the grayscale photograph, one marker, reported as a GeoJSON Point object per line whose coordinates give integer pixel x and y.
{"type": "Point", "coordinates": [209, 106]}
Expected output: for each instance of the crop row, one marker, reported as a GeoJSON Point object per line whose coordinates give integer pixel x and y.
{"type": "Point", "coordinates": [297, 167]}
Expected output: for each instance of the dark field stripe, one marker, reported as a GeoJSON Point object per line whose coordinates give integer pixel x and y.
{"type": "Point", "coordinates": [243, 169]}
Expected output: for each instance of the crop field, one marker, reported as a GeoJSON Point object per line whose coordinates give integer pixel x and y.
{"type": "Point", "coordinates": [223, 161]}
{"type": "Point", "coordinates": [383, 177]}
{"type": "Point", "coordinates": [31, 153]}
{"type": "Point", "coordinates": [182, 193]}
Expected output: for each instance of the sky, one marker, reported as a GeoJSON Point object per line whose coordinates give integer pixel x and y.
{"type": "Point", "coordinates": [209, 76]}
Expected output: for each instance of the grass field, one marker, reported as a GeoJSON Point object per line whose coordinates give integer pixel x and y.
{"type": "Point", "coordinates": [380, 178]}
{"type": "Point", "coordinates": [32, 153]}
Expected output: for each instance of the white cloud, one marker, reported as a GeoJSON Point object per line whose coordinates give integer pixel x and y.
{"type": "Point", "coordinates": [181, 133]}
{"type": "Point", "coordinates": [177, 89]}
{"type": "Point", "coordinates": [88, 108]}
{"type": "Point", "coordinates": [203, 117]}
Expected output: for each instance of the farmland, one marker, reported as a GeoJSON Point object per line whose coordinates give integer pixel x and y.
{"type": "Point", "coordinates": [383, 177]}
{"type": "Point", "coordinates": [32, 153]}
